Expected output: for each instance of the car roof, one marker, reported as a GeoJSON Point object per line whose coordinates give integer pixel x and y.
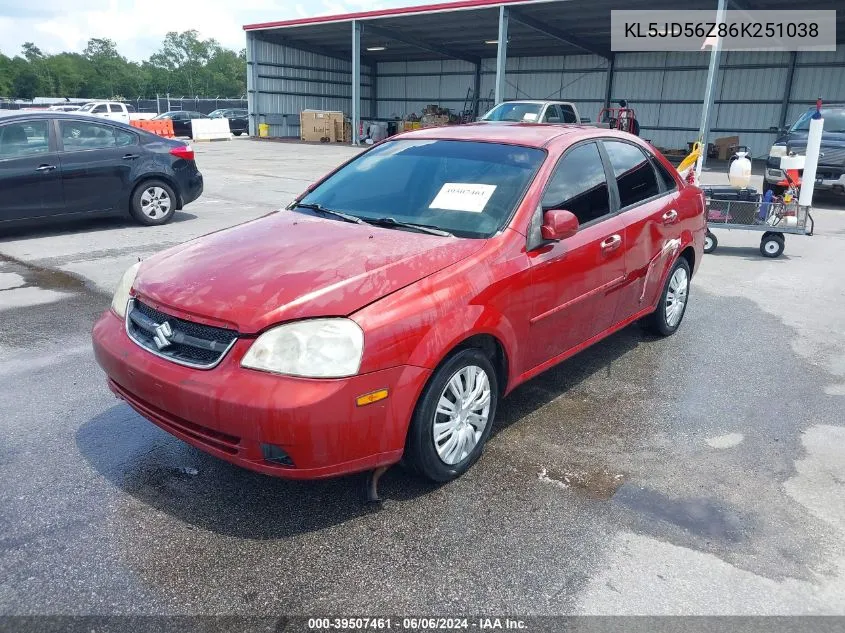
{"type": "Point", "coordinates": [39, 114]}
{"type": "Point", "coordinates": [534, 101]}
{"type": "Point", "coordinates": [527, 134]}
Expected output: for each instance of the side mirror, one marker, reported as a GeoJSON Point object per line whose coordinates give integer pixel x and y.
{"type": "Point", "coordinates": [558, 225]}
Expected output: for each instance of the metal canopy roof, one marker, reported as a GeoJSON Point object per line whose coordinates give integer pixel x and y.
{"type": "Point", "coordinates": [461, 30]}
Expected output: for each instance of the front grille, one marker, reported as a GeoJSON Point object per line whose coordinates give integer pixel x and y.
{"type": "Point", "coordinates": [177, 340]}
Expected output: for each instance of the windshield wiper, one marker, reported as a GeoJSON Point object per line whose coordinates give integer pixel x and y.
{"type": "Point", "coordinates": [422, 228]}
{"type": "Point", "coordinates": [338, 214]}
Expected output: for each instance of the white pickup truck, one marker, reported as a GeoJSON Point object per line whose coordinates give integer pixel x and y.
{"type": "Point", "coordinates": [534, 112]}
{"type": "Point", "coordinates": [113, 110]}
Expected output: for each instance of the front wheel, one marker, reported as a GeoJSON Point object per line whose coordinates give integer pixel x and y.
{"type": "Point", "coordinates": [454, 416]}
{"type": "Point", "coordinates": [153, 203]}
{"type": "Point", "coordinates": [710, 242]}
{"type": "Point", "coordinates": [666, 320]}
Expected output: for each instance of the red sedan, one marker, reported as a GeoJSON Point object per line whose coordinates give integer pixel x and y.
{"type": "Point", "coordinates": [387, 310]}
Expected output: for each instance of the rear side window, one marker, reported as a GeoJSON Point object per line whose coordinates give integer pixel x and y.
{"type": "Point", "coordinates": [28, 138]}
{"type": "Point", "coordinates": [635, 176]}
{"type": "Point", "coordinates": [81, 135]}
{"type": "Point", "coordinates": [669, 183]}
{"type": "Point", "coordinates": [579, 185]}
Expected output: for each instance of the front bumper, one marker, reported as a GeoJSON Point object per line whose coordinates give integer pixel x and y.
{"type": "Point", "coordinates": [827, 177]}
{"type": "Point", "coordinates": [230, 411]}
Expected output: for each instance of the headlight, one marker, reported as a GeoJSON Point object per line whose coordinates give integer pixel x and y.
{"type": "Point", "coordinates": [777, 151]}
{"type": "Point", "coordinates": [121, 294]}
{"type": "Point", "coordinates": [316, 348]}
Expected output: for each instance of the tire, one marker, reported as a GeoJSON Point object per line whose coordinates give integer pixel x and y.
{"type": "Point", "coordinates": [238, 133]}
{"type": "Point", "coordinates": [147, 194]}
{"type": "Point", "coordinates": [772, 245]}
{"type": "Point", "coordinates": [667, 318]}
{"type": "Point", "coordinates": [710, 242]}
{"type": "Point", "coordinates": [442, 460]}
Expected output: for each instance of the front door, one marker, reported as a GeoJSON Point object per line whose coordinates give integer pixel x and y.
{"type": "Point", "coordinates": [30, 175]}
{"type": "Point", "coordinates": [575, 281]}
{"type": "Point", "coordinates": [97, 161]}
{"type": "Point", "coordinates": [648, 201]}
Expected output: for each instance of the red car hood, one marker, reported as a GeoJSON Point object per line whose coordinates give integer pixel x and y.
{"type": "Point", "coordinates": [291, 266]}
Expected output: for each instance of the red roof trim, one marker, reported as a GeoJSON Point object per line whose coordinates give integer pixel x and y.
{"type": "Point", "coordinates": [383, 13]}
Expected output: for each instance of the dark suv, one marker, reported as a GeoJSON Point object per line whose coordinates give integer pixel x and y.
{"type": "Point", "coordinates": [830, 174]}
{"type": "Point", "coordinates": [238, 119]}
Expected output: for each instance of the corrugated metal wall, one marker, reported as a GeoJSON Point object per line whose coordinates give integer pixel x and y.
{"type": "Point", "coordinates": [290, 80]}
{"type": "Point", "coordinates": [665, 89]}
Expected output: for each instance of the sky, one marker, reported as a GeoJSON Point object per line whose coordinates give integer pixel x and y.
{"type": "Point", "coordinates": [138, 26]}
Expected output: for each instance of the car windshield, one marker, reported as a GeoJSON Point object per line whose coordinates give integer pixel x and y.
{"type": "Point", "coordinates": [515, 111]}
{"type": "Point", "coordinates": [834, 120]}
{"type": "Point", "coordinates": [163, 115]}
{"type": "Point", "coordinates": [217, 113]}
{"type": "Point", "coordinates": [87, 107]}
{"type": "Point", "coordinates": [469, 189]}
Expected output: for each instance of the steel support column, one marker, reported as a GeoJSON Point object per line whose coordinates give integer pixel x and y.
{"type": "Point", "coordinates": [502, 55]}
{"type": "Point", "coordinates": [787, 90]}
{"type": "Point", "coordinates": [476, 90]}
{"type": "Point", "coordinates": [374, 91]}
{"type": "Point", "coordinates": [356, 80]}
{"type": "Point", "coordinates": [251, 84]}
{"type": "Point", "coordinates": [608, 89]}
{"type": "Point", "coordinates": [709, 92]}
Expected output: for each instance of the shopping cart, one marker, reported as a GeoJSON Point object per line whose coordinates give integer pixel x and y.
{"type": "Point", "coordinates": [773, 219]}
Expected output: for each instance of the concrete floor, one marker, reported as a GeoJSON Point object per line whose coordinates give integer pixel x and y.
{"type": "Point", "coordinates": [700, 474]}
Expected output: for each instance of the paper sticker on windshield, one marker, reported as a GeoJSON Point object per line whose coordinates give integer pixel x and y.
{"type": "Point", "coordinates": [462, 196]}
{"type": "Point", "coordinates": [529, 116]}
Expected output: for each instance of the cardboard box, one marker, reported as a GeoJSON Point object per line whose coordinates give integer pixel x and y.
{"type": "Point", "coordinates": [320, 126]}
{"type": "Point", "coordinates": [726, 146]}
{"type": "Point", "coordinates": [434, 120]}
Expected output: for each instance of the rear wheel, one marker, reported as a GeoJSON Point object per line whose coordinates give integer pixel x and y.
{"type": "Point", "coordinates": [454, 416]}
{"type": "Point", "coordinates": [238, 132]}
{"type": "Point", "coordinates": [772, 245]}
{"type": "Point", "coordinates": [153, 203]}
{"type": "Point", "coordinates": [666, 320]}
{"type": "Point", "coordinates": [710, 242]}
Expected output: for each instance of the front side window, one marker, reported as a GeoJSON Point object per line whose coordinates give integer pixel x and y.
{"type": "Point", "coordinates": [82, 135]}
{"type": "Point", "coordinates": [553, 114]}
{"type": "Point", "coordinates": [514, 111]}
{"type": "Point", "coordinates": [635, 177]}
{"type": "Point", "coordinates": [579, 185]}
{"type": "Point", "coordinates": [28, 138]}
{"type": "Point", "coordinates": [470, 189]}
{"type": "Point", "coordinates": [100, 109]}
{"type": "Point", "coordinates": [569, 114]}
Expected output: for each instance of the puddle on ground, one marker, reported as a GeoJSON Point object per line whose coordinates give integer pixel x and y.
{"type": "Point", "coordinates": [44, 278]}
{"type": "Point", "coordinates": [702, 517]}
{"type": "Point", "coordinates": [596, 484]}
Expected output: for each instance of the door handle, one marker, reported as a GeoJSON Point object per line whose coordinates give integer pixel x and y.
{"type": "Point", "coordinates": [45, 168]}
{"type": "Point", "coordinates": [670, 217]}
{"type": "Point", "coordinates": [611, 243]}
{"type": "Point", "coordinates": [130, 157]}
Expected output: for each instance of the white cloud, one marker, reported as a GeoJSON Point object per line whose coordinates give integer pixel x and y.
{"type": "Point", "coordinates": [138, 26]}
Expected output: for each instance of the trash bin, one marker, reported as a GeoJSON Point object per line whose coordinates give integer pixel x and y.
{"type": "Point", "coordinates": [263, 130]}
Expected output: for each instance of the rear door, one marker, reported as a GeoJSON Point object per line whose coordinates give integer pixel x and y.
{"type": "Point", "coordinates": [30, 177]}
{"type": "Point", "coordinates": [97, 160]}
{"type": "Point", "coordinates": [575, 281]}
{"type": "Point", "coordinates": [648, 205]}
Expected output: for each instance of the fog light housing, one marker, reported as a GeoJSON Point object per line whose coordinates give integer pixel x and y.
{"type": "Point", "coordinates": [276, 455]}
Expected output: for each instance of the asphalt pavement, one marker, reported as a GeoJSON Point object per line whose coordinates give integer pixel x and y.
{"type": "Point", "coordinates": [699, 474]}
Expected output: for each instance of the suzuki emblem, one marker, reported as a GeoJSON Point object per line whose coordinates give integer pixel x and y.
{"type": "Point", "coordinates": [162, 336]}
